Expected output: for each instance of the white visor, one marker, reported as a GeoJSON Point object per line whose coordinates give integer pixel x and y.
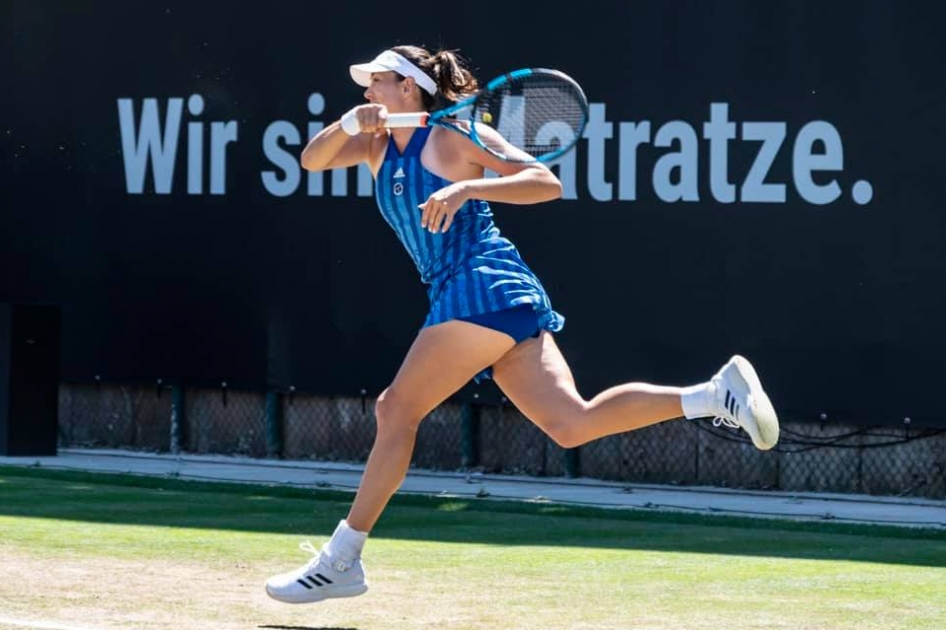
{"type": "Point", "coordinates": [391, 61]}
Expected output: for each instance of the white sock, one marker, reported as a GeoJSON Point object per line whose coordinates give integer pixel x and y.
{"type": "Point", "coordinates": [346, 543]}
{"type": "Point", "coordinates": [696, 400]}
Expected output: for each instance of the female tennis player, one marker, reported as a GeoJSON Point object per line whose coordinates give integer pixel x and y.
{"type": "Point", "coordinates": [489, 314]}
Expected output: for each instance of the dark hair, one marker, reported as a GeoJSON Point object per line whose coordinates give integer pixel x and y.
{"type": "Point", "coordinates": [448, 70]}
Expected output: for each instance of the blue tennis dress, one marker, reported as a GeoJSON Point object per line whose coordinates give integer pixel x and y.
{"type": "Point", "coordinates": [470, 269]}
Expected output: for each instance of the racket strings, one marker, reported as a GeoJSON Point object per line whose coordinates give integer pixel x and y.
{"type": "Point", "coordinates": [541, 115]}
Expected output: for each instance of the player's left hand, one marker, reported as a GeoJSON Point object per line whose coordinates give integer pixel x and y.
{"type": "Point", "coordinates": [440, 207]}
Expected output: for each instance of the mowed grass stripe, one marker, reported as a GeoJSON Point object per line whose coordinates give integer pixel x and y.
{"type": "Point", "coordinates": [456, 564]}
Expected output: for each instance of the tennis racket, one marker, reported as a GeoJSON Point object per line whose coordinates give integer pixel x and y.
{"type": "Point", "coordinates": [540, 113]}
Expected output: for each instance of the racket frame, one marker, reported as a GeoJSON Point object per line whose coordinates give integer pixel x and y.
{"type": "Point", "coordinates": [442, 117]}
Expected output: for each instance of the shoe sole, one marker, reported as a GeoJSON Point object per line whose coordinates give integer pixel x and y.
{"type": "Point", "coordinates": [336, 593]}
{"type": "Point", "coordinates": [762, 410]}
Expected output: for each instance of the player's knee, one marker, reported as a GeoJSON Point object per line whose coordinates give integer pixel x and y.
{"type": "Point", "coordinates": [392, 412]}
{"type": "Point", "coordinates": [566, 435]}
{"type": "Point", "coordinates": [564, 429]}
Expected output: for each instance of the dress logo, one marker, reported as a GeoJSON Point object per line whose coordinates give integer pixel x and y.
{"type": "Point", "coordinates": [399, 186]}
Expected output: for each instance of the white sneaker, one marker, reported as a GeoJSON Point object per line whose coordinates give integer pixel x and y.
{"type": "Point", "coordinates": [742, 403]}
{"type": "Point", "coordinates": [322, 578]}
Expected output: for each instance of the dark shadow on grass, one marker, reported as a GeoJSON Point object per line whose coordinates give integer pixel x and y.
{"type": "Point", "coordinates": [304, 628]}
{"type": "Point", "coordinates": [164, 502]}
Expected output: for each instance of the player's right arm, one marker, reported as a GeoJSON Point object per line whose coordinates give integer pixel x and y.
{"type": "Point", "coordinates": [333, 148]}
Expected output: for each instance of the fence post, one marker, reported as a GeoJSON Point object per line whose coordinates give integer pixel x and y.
{"type": "Point", "coordinates": [177, 418]}
{"type": "Point", "coordinates": [273, 424]}
{"type": "Point", "coordinates": [469, 432]}
{"type": "Point", "coordinates": [571, 463]}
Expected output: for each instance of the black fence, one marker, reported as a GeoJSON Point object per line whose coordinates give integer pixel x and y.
{"type": "Point", "coordinates": [905, 461]}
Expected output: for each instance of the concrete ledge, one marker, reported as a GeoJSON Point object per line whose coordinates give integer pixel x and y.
{"type": "Point", "coordinates": [906, 512]}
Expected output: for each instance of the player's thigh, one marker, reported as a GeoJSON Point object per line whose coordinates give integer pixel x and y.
{"type": "Point", "coordinates": [535, 377]}
{"type": "Point", "coordinates": [442, 359]}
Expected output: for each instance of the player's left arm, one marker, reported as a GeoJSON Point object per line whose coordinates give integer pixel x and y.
{"type": "Point", "coordinates": [520, 183]}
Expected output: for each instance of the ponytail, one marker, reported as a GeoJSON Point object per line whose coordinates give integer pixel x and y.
{"type": "Point", "coordinates": [454, 81]}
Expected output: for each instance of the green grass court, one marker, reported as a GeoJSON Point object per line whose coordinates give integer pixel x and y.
{"type": "Point", "coordinates": [98, 551]}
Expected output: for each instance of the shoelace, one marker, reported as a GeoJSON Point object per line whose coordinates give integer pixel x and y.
{"type": "Point", "coordinates": [338, 565]}
{"type": "Point", "coordinates": [316, 553]}
{"type": "Point", "coordinates": [732, 407]}
{"type": "Point", "coordinates": [723, 421]}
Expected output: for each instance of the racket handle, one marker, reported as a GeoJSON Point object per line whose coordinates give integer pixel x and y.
{"type": "Point", "coordinates": [418, 119]}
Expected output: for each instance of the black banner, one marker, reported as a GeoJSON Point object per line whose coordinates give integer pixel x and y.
{"type": "Point", "coordinates": [761, 178]}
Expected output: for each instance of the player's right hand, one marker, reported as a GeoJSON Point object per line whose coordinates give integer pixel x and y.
{"type": "Point", "coordinates": [371, 117]}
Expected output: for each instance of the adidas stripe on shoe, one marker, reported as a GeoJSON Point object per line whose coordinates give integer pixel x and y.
{"type": "Point", "coordinates": [319, 579]}
{"type": "Point", "coordinates": [740, 402]}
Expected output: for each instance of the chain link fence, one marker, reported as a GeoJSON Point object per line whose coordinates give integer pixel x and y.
{"type": "Point", "coordinates": [115, 417]}
{"type": "Point", "coordinates": [498, 439]}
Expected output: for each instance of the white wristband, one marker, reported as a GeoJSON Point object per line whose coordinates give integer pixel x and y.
{"type": "Point", "coordinates": [350, 124]}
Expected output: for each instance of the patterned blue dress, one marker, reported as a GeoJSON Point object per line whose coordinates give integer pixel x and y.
{"type": "Point", "coordinates": [470, 269]}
